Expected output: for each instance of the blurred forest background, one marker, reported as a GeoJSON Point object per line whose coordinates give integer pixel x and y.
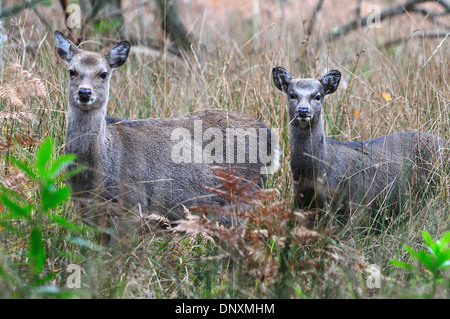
{"type": "Point", "coordinates": [191, 55]}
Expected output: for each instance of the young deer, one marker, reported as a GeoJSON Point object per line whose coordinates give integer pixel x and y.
{"type": "Point", "coordinates": [136, 163]}
{"type": "Point", "coordinates": [349, 173]}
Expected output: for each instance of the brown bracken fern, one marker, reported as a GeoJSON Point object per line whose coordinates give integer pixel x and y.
{"type": "Point", "coordinates": [270, 227]}
{"type": "Point", "coordinates": [18, 90]}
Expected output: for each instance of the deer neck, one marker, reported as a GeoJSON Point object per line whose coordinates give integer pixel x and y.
{"type": "Point", "coordinates": [86, 134]}
{"type": "Point", "coordinates": [308, 150]}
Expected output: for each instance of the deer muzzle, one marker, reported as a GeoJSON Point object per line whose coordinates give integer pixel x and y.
{"type": "Point", "coordinates": [303, 114]}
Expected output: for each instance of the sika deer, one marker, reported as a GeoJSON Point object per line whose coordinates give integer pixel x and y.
{"type": "Point", "coordinates": [369, 173]}
{"type": "Point", "coordinates": [141, 164]}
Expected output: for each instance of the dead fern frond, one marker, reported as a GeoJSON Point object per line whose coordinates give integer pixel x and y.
{"type": "Point", "coordinates": [270, 224]}
{"type": "Point", "coordinates": [232, 188]}
{"type": "Point", "coordinates": [19, 85]}
{"type": "Point", "coordinates": [24, 83]}
{"type": "Point", "coordinates": [14, 182]}
{"type": "Point", "coordinates": [11, 94]}
{"type": "Point", "coordinates": [12, 141]}
{"type": "Point", "coordinates": [17, 116]}
{"type": "Point", "coordinates": [18, 182]}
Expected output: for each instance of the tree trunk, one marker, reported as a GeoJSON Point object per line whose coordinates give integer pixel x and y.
{"type": "Point", "coordinates": [171, 23]}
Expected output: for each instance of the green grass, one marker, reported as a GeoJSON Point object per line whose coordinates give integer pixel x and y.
{"type": "Point", "coordinates": [234, 73]}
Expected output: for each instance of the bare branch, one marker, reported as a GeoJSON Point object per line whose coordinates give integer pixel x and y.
{"type": "Point", "coordinates": [154, 44]}
{"type": "Point", "coordinates": [14, 10]}
{"type": "Point", "coordinates": [445, 4]}
{"type": "Point", "coordinates": [312, 21]}
{"type": "Point", "coordinates": [400, 9]}
{"type": "Point", "coordinates": [416, 35]}
{"type": "Point", "coordinates": [433, 16]}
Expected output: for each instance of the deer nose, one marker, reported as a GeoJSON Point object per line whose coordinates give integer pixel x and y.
{"type": "Point", "coordinates": [84, 94]}
{"type": "Point", "coordinates": [302, 112]}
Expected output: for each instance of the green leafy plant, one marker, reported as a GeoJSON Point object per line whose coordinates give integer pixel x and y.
{"type": "Point", "coordinates": [34, 213]}
{"type": "Point", "coordinates": [104, 26]}
{"type": "Point", "coordinates": [435, 261]}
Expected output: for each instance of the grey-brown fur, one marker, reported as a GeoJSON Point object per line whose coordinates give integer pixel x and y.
{"type": "Point", "coordinates": [355, 173]}
{"type": "Point", "coordinates": [129, 161]}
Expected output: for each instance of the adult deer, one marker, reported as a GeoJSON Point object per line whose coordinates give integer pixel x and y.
{"type": "Point", "coordinates": [141, 165]}
{"type": "Point", "coordinates": [349, 174]}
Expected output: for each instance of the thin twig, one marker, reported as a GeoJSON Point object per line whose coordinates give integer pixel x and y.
{"type": "Point", "coordinates": [43, 19]}
{"type": "Point", "coordinates": [437, 48]}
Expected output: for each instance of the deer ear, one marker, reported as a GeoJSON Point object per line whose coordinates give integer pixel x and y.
{"type": "Point", "coordinates": [330, 81]}
{"type": "Point", "coordinates": [66, 49]}
{"type": "Point", "coordinates": [281, 78]}
{"type": "Point", "coordinates": [118, 54]}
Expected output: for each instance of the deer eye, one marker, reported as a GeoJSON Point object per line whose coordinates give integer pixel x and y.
{"type": "Point", "coordinates": [104, 75]}
{"type": "Point", "coordinates": [72, 73]}
{"type": "Point", "coordinates": [317, 97]}
{"type": "Point", "coordinates": [292, 96]}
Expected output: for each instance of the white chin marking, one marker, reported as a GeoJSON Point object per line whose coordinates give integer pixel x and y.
{"type": "Point", "coordinates": [304, 122]}
{"type": "Point", "coordinates": [304, 119]}
{"type": "Point", "coordinates": [90, 102]}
